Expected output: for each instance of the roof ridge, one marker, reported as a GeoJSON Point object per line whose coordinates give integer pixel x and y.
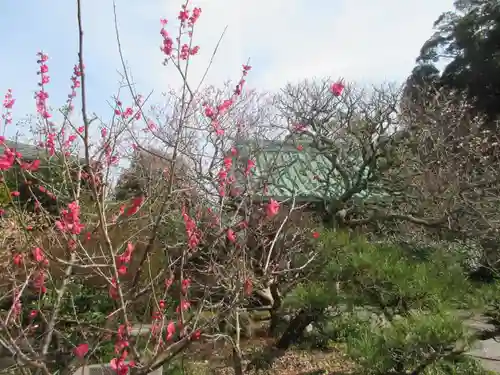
{"type": "Point", "coordinates": [30, 151]}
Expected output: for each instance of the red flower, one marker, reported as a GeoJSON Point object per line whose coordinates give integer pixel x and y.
{"type": "Point", "coordinates": [39, 282]}
{"type": "Point", "coordinates": [184, 305]}
{"type": "Point", "coordinates": [168, 283]}
{"type": "Point", "coordinates": [195, 15]}
{"type": "Point", "coordinates": [7, 160]}
{"type": "Point", "coordinates": [300, 147]}
{"type": "Point", "coordinates": [136, 204]}
{"type": "Point", "coordinates": [337, 88]}
{"type": "Point", "coordinates": [185, 285]}
{"type": "Point", "coordinates": [193, 233]}
{"type": "Point", "coordinates": [9, 100]}
{"type": "Point", "coordinates": [33, 166]}
{"type": "Point", "coordinates": [161, 304]}
{"type": "Point", "coordinates": [120, 345]}
{"type": "Point", "coordinates": [226, 104]}
{"type": "Point", "coordinates": [250, 165]}
{"type": "Point", "coordinates": [228, 161]}
{"type": "Point", "coordinates": [70, 219]}
{"type": "Point", "coordinates": [18, 259]}
{"type": "Point", "coordinates": [315, 234]}
{"type": "Point", "coordinates": [299, 128]}
{"type": "Point", "coordinates": [248, 287]}
{"type": "Point", "coordinates": [81, 350]}
{"type": "Point", "coordinates": [39, 256]}
{"type": "Point", "coordinates": [231, 236]}
{"type": "Point", "coordinates": [124, 259]}
{"type": "Point", "coordinates": [113, 289]}
{"type": "Point", "coordinates": [170, 330]}
{"type": "Point", "coordinates": [119, 365]}
{"type": "Point", "coordinates": [196, 335]}
{"type": "Point", "coordinates": [272, 208]}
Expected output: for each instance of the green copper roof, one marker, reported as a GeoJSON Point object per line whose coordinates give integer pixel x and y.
{"type": "Point", "coordinates": [30, 152]}
{"type": "Point", "coordinates": [290, 168]}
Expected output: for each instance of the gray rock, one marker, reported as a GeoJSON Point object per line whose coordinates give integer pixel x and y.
{"type": "Point", "coordinates": [105, 369]}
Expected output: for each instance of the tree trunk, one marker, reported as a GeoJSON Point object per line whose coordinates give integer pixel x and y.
{"type": "Point", "coordinates": [237, 361]}
{"type": "Point", "coordinates": [237, 357]}
{"type": "Point", "coordinates": [297, 326]}
{"type": "Point", "coordinates": [274, 323]}
{"type": "Point", "coordinates": [275, 310]}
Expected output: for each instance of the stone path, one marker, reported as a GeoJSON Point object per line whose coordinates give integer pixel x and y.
{"type": "Point", "coordinates": [488, 351]}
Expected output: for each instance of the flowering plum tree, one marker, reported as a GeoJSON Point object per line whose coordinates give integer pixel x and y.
{"type": "Point", "coordinates": [75, 292]}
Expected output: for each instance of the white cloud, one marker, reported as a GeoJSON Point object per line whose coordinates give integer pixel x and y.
{"type": "Point", "coordinates": [361, 40]}
{"type": "Point", "coordinates": [286, 40]}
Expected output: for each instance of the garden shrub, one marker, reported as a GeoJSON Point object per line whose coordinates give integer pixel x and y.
{"type": "Point", "coordinates": [394, 310]}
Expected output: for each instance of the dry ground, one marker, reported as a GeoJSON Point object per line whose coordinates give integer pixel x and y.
{"type": "Point", "coordinates": [204, 360]}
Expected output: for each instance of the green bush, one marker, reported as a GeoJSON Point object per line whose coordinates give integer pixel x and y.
{"type": "Point", "coordinates": [82, 306]}
{"type": "Point", "coordinates": [384, 276]}
{"type": "Point", "coordinates": [395, 308]}
{"type": "Point", "coordinates": [5, 197]}
{"type": "Point", "coordinates": [330, 330]}
{"type": "Point", "coordinates": [53, 175]}
{"type": "Point", "coordinates": [461, 365]}
{"type": "Point", "coordinates": [405, 344]}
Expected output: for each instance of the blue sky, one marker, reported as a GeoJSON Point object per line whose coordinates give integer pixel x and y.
{"type": "Point", "coordinates": [361, 40]}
